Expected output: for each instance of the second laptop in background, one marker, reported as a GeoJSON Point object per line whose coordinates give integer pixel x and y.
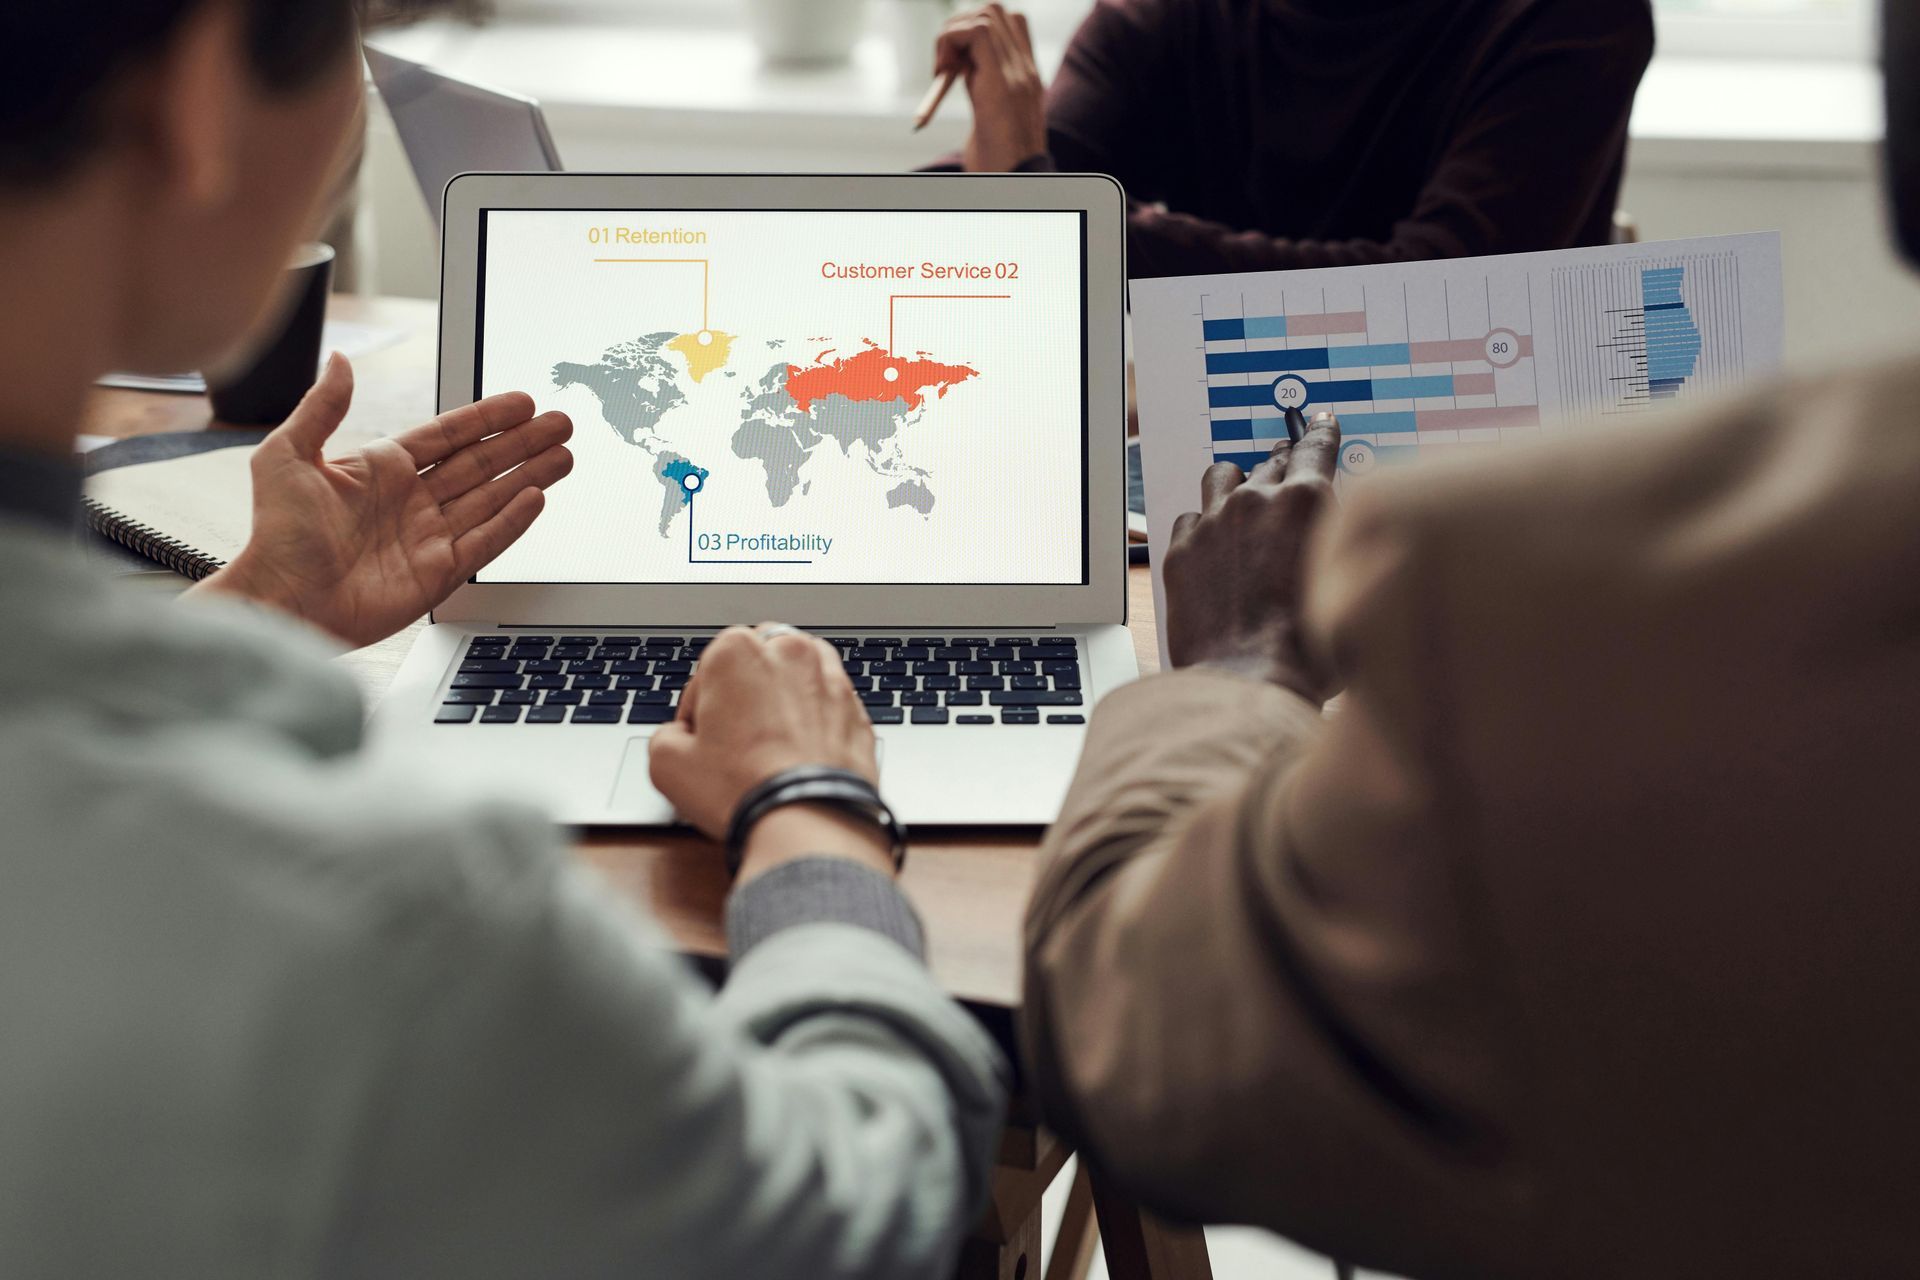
{"type": "Point", "coordinates": [449, 126]}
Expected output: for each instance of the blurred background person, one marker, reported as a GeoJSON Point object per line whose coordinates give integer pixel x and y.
{"type": "Point", "coordinates": [1271, 134]}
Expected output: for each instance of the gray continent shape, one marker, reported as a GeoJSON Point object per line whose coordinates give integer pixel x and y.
{"type": "Point", "coordinates": [635, 384]}
{"type": "Point", "coordinates": [673, 497]}
{"type": "Point", "coordinates": [776, 434]}
{"type": "Point", "coordinates": [873, 423]}
{"type": "Point", "coordinates": [911, 493]}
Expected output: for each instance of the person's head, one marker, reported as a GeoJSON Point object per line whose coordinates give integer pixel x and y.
{"type": "Point", "coordinates": [191, 142]}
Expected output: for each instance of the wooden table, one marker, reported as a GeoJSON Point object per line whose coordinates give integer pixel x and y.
{"type": "Point", "coordinates": [970, 887]}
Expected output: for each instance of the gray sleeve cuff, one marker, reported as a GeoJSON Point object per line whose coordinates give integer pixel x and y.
{"type": "Point", "coordinates": [816, 891]}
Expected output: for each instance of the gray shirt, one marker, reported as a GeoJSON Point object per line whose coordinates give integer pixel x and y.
{"type": "Point", "coordinates": [271, 1012]}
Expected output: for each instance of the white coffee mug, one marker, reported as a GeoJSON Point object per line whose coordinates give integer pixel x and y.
{"type": "Point", "coordinates": [915, 25]}
{"type": "Point", "coordinates": [806, 31]}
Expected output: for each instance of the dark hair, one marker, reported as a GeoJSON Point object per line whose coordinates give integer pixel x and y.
{"type": "Point", "coordinates": [65, 54]}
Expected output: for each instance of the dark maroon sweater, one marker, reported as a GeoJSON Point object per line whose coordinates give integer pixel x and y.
{"type": "Point", "coordinates": [1272, 134]}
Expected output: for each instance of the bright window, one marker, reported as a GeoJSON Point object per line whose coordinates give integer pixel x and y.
{"type": "Point", "coordinates": [1821, 29]}
{"type": "Point", "coordinates": [1767, 28]}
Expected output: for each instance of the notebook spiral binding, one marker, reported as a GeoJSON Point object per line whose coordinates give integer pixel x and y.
{"type": "Point", "coordinates": [151, 543]}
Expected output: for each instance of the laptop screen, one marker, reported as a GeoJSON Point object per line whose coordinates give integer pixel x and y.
{"type": "Point", "coordinates": [797, 396]}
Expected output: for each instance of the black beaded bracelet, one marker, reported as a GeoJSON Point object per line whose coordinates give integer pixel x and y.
{"type": "Point", "coordinates": [840, 789]}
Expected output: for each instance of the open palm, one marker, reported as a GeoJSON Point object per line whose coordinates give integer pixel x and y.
{"type": "Point", "coordinates": [362, 545]}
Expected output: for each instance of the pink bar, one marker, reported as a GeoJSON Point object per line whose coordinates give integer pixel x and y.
{"type": "Point", "coordinates": [1516, 415]}
{"type": "Point", "coordinates": [1473, 384]}
{"type": "Point", "coordinates": [1457, 349]}
{"type": "Point", "coordinates": [1322, 326]}
{"type": "Point", "coordinates": [1449, 351]}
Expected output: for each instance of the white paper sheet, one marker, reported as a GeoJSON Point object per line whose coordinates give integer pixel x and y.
{"type": "Point", "coordinates": [1428, 357]}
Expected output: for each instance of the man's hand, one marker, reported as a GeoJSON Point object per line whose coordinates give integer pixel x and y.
{"type": "Point", "coordinates": [763, 702]}
{"type": "Point", "coordinates": [1233, 572]}
{"type": "Point", "coordinates": [361, 546]}
{"type": "Point", "coordinates": [991, 48]}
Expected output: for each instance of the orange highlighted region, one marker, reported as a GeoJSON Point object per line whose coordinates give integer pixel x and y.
{"type": "Point", "coordinates": [874, 374]}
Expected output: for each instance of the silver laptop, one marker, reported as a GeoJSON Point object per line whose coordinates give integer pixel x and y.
{"type": "Point", "coordinates": [888, 409]}
{"type": "Point", "coordinates": [449, 126]}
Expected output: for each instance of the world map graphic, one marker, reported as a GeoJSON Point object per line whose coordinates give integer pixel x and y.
{"type": "Point", "coordinates": [865, 403]}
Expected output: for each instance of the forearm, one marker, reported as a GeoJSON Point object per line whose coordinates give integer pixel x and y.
{"type": "Point", "coordinates": [882, 1100]}
{"type": "Point", "coordinates": [1141, 918]}
{"type": "Point", "coordinates": [1248, 993]}
{"type": "Point", "coordinates": [1162, 242]}
{"type": "Point", "coordinates": [890, 1097]}
{"type": "Point", "coordinates": [831, 1114]}
{"type": "Point", "coordinates": [1154, 751]}
{"type": "Point", "coordinates": [247, 578]}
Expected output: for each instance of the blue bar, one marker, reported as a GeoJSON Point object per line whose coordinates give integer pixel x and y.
{"type": "Point", "coordinates": [1672, 338]}
{"type": "Point", "coordinates": [1360, 357]}
{"type": "Point", "coordinates": [1266, 361]}
{"type": "Point", "coordinates": [1231, 330]}
{"type": "Point", "coordinates": [1410, 388]}
{"type": "Point", "coordinates": [1269, 428]}
{"type": "Point", "coordinates": [1337, 391]}
{"type": "Point", "coordinates": [1259, 393]}
{"type": "Point", "coordinates": [1378, 424]}
{"type": "Point", "coordinates": [1244, 461]}
{"type": "Point", "coordinates": [1660, 286]}
{"type": "Point", "coordinates": [1232, 429]}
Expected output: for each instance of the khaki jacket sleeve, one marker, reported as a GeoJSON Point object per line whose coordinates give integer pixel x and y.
{"type": "Point", "coordinates": [1254, 990]}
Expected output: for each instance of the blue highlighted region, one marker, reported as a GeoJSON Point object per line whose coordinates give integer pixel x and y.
{"type": "Point", "coordinates": [677, 470]}
{"type": "Point", "coordinates": [1673, 339]}
{"type": "Point", "coordinates": [1336, 391]}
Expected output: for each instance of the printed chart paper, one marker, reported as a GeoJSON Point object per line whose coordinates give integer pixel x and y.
{"type": "Point", "coordinates": [1430, 357]}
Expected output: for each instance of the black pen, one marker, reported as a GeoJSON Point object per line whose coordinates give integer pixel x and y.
{"type": "Point", "coordinates": [1296, 424]}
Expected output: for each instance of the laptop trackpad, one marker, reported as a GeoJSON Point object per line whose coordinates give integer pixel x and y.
{"type": "Point", "coordinates": [632, 789]}
{"type": "Point", "coordinates": [635, 800]}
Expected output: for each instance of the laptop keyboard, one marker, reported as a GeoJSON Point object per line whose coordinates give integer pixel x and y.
{"type": "Point", "coordinates": [615, 679]}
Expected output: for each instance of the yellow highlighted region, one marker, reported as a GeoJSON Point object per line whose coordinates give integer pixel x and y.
{"type": "Point", "coordinates": [705, 351]}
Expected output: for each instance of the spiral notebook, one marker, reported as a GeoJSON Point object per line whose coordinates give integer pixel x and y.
{"type": "Point", "coordinates": [184, 501]}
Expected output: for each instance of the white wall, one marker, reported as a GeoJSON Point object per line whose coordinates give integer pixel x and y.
{"type": "Point", "coordinates": [1847, 295]}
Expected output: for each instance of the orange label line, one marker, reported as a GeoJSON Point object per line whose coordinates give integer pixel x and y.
{"type": "Point", "coordinates": [705, 273]}
{"type": "Point", "coordinates": [895, 297]}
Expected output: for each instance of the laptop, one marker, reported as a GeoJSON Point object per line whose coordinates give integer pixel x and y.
{"type": "Point", "coordinates": [449, 126]}
{"type": "Point", "coordinates": [889, 410]}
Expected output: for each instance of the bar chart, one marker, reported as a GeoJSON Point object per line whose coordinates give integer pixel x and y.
{"type": "Point", "coordinates": [1633, 336]}
{"type": "Point", "coordinates": [1434, 358]}
{"type": "Point", "coordinates": [1404, 367]}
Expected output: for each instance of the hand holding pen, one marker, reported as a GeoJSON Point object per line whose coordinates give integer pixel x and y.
{"type": "Point", "coordinates": [990, 49]}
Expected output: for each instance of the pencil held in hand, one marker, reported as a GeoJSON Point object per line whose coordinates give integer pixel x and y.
{"type": "Point", "coordinates": [936, 94]}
